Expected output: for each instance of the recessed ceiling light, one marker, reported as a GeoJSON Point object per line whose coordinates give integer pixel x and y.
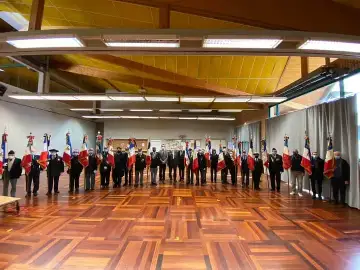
{"type": "Point", "coordinates": [197, 99]}
{"type": "Point", "coordinates": [127, 98]}
{"type": "Point", "coordinates": [46, 42]}
{"type": "Point", "coordinates": [26, 97]}
{"type": "Point", "coordinates": [267, 99]}
{"type": "Point", "coordinates": [130, 117]}
{"type": "Point", "coordinates": [170, 110]}
{"type": "Point", "coordinates": [241, 43]}
{"type": "Point", "coordinates": [111, 110]}
{"type": "Point", "coordinates": [168, 117]}
{"type": "Point", "coordinates": [149, 117]}
{"type": "Point", "coordinates": [232, 99]}
{"type": "Point", "coordinates": [187, 118]}
{"type": "Point", "coordinates": [162, 99]}
{"type": "Point", "coordinates": [206, 118]}
{"type": "Point", "coordinates": [92, 98]}
{"type": "Point", "coordinates": [200, 110]}
{"type": "Point", "coordinates": [81, 109]}
{"type": "Point", "coordinates": [59, 97]}
{"type": "Point", "coordinates": [230, 110]}
{"type": "Point", "coordinates": [144, 44]}
{"type": "Point", "coordinates": [326, 45]}
{"type": "Point", "coordinates": [140, 110]}
{"type": "Point", "coordinates": [226, 118]}
{"type": "Point", "coordinates": [101, 116]}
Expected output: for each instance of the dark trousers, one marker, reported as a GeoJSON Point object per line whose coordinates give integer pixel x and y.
{"type": "Point", "coordinates": [53, 182]}
{"type": "Point", "coordinates": [172, 173]}
{"type": "Point", "coordinates": [256, 178]}
{"type": "Point", "coordinates": [224, 174]}
{"type": "Point", "coordinates": [74, 181]}
{"type": "Point", "coordinates": [162, 172]}
{"type": "Point", "coordinates": [105, 179]}
{"type": "Point", "coordinates": [203, 176]}
{"type": "Point", "coordinates": [116, 176]}
{"type": "Point", "coordinates": [275, 176]}
{"type": "Point", "coordinates": [316, 181]}
{"type": "Point", "coordinates": [213, 174]}
{"type": "Point", "coordinates": [245, 178]}
{"type": "Point", "coordinates": [182, 172]}
{"type": "Point", "coordinates": [189, 176]}
{"type": "Point", "coordinates": [338, 185]}
{"type": "Point", "coordinates": [33, 178]}
{"type": "Point", "coordinates": [233, 176]}
{"type": "Point", "coordinates": [130, 177]}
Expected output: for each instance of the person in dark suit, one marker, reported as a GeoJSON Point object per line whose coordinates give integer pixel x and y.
{"type": "Point", "coordinates": [163, 155]}
{"type": "Point", "coordinates": [224, 172]}
{"type": "Point", "coordinates": [105, 170]}
{"type": "Point", "coordinates": [230, 166]}
{"type": "Point", "coordinates": [75, 171]}
{"type": "Point", "coordinates": [180, 163]}
{"type": "Point", "coordinates": [275, 169]}
{"type": "Point", "coordinates": [118, 171]}
{"type": "Point", "coordinates": [90, 171]}
{"type": "Point", "coordinates": [258, 171]}
{"type": "Point", "coordinates": [140, 165]}
{"type": "Point", "coordinates": [155, 161]}
{"type": "Point", "coordinates": [244, 170]}
{"type": "Point", "coordinates": [34, 176]}
{"type": "Point", "coordinates": [214, 161]}
{"type": "Point", "coordinates": [202, 168]}
{"type": "Point", "coordinates": [54, 170]}
{"type": "Point", "coordinates": [341, 178]}
{"type": "Point", "coordinates": [172, 165]}
{"type": "Point", "coordinates": [317, 176]}
{"type": "Point", "coordinates": [189, 172]}
{"type": "Point", "coordinates": [11, 174]}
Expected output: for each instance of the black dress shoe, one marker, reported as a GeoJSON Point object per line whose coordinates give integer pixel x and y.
{"type": "Point", "coordinates": [57, 192]}
{"type": "Point", "coordinates": [35, 194]}
{"type": "Point", "coordinates": [28, 195]}
{"type": "Point", "coordinates": [48, 194]}
{"type": "Point", "coordinates": [314, 197]}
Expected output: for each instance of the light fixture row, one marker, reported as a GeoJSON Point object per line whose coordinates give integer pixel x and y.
{"type": "Point", "coordinates": [158, 117]}
{"type": "Point", "coordinates": [184, 99]}
{"type": "Point", "coordinates": [160, 110]}
{"type": "Point", "coordinates": [173, 41]}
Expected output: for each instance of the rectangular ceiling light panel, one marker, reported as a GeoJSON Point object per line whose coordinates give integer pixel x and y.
{"type": "Point", "coordinates": [231, 99]}
{"type": "Point", "coordinates": [162, 99]}
{"type": "Point", "coordinates": [267, 99]}
{"type": "Point", "coordinates": [337, 46]}
{"type": "Point", "coordinates": [197, 99]}
{"type": "Point", "coordinates": [46, 42]}
{"type": "Point", "coordinates": [149, 43]}
{"type": "Point", "coordinates": [127, 98]}
{"type": "Point", "coordinates": [241, 43]}
{"type": "Point", "coordinates": [200, 110]}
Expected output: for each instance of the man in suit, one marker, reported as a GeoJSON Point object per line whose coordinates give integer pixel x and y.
{"type": "Point", "coordinates": [202, 168]}
{"type": "Point", "coordinates": [140, 165]}
{"type": "Point", "coordinates": [90, 171]}
{"type": "Point", "coordinates": [180, 162]}
{"type": "Point", "coordinates": [105, 170]}
{"type": "Point", "coordinates": [54, 170]}
{"type": "Point", "coordinates": [154, 165]}
{"type": "Point", "coordinates": [224, 172]}
{"type": "Point", "coordinates": [189, 172]}
{"type": "Point", "coordinates": [124, 170]}
{"type": "Point", "coordinates": [11, 174]}
{"type": "Point", "coordinates": [244, 170]}
{"type": "Point", "coordinates": [258, 171]}
{"type": "Point", "coordinates": [317, 176]}
{"type": "Point", "coordinates": [75, 171]}
{"type": "Point", "coordinates": [172, 165]}
{"type": "Point", "coordinates": [163, 155]}
{"type": "Point", "coordinates": [214, 161]}
{"type": "Point", "coordinates": [119, 171]}
{"type": "Point", "coordinates": [341, 178]}
{"type": "Point", "coordinates": [34, 176]}
{"type": "Point", "coordinates": [275, 169]}
{"type": "Point", "coordinates": [231, 166]}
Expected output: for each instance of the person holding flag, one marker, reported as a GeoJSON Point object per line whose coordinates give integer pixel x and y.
{"type": "Point", "coordinates": [131, 161]}
{"type": "Point", "coordinates": [329, 165]}
{"type": "Point", "coordinates": [27, 158]}
{"type": "Point", "coordinates": [214, 164]}
{"type": "Point", "coordinates": [90, 170]}
{"type": "Point", "coordinates": [74, 172]}
{"type": "Point", "coordinates": [306, 157]}
{"type": "Point", "coordinates": [340, 179]}
{"type": "Point", "coordinates": [317, 176]}
{"type": "Point", "coordinates": [110, 155]}
{"type": "Point", "coordinates": [105, 169]}
{"type": "Point", "coordinates": [275, 169]}
{"type": "Point", "coordinates": [222, 166]}
{"type": "Point", "coordinates": [189, 172]}
{"type": "Point", "coordinates": [195, 165]}
{"type": "Point", "coordinates": [179, 162]}
{"type": "Point", "coordinates": [54, 169]}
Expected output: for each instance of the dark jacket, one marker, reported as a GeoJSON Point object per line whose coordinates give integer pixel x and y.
{"type": "Point", "coordinates": [275, 164]}
{"type": "Point", "coordinates": [140, 162]}
{"type": "Point", "coordinates": [76, 167]}
{"type": "Point", "coordinates": [92, 164]}
{"type": "Point", "coordinates": [172, 160]}
{"type": "Point", "coordinates": [16, 169]}
{"type": "Point", "coordinates": [191, 161]}
{"type": "Point", "coordinates": [345, 170]}
{"type": "Point", "coordinates": [180, 159]}
{"type": "Point", "coordinates": [121, 160]}
{"type": "Point", "coordinates": [295, 163]}
{"type": "Point", "coordinates": [317, 168]}
{"type": "Point", "coordinates": [228, 161]}
{"type": "Point", "coordinates": [55, 167]}
{"type": "Point", "coordinates": [35, 166]}
{"type": "Point", "coordinates": [105, 167]}
{"type": "Point", "coordinates": [258, 166]}
{"type": "Point", "coordinates": [202, 162]}
{"type": "Point", "coordinates": [155, 159]}
{"type": "Point", "coordinates": [214, 160]}
{"type": "Point", "coordinates": [244, 164]}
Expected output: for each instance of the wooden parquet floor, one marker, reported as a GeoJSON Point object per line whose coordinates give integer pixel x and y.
{"type": "Point", "coordinates": [178, 227]}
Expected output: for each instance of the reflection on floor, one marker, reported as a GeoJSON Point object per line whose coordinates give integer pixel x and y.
{"type": "Point", "coordinates": [177, 227]}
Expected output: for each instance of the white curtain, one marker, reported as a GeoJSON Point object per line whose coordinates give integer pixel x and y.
{"type": "Point", "coordinates": [245, 132]}
{"type": "Point", "coordinates": [337, 118]}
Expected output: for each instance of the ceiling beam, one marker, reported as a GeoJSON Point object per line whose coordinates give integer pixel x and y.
{"type": "Point", "coordinates": [321, 15]}
{"type": "Point", "coordinates": [177, 78]}
{"type": "Point", "coordinates": [164, 17]}
{"type": "Point", "coordinates": [36, 15]}
{"type": "Point", "coordinates": [304, 66]}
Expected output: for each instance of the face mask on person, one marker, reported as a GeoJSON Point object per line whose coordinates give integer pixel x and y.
{"type": "Point", "coordinates": [91, 153]}
{"type": "Point", "coordinates": [337, 157]}
{"type": "Point", "coordinates": [53, 155]}
{"type": "Point", "coordinates": [274, 153]}
{"type": "Point", "coordinates": [163, 148]}
{"type": "Point", "coordinates": [75, 154]}
{"type": "Point", "coordinates": [140, 153]}
{"type": "Point", "coordinates": [106, 150]}
{"type": "Point", "coordinates": [154, 150]}
{"type": "Point", "coordinates": [256, 156]}
{"type": "Point", "coordinates": [11, 157]}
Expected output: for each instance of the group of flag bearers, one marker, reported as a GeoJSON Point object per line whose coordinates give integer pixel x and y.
{"type": "Point", "coordinates": [123, 161]}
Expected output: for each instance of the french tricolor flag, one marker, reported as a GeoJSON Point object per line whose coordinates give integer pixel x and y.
{"type": "Point", "coordinates": [3, 151]}
{"type": "Point", "coordinates": [148, 156]}
{"type": "Point", "coordinates": [265, 156]}
{"type": "Point", "coordinates": [132, 157]}
{"type": "Point", "coordinates": [286, 154]}
{"type": "Point", "coordinates": [84, 154]}
{"type": "Point", "coordinates": [187, 158]}
{"type": "Point", "coordinates": [44, 154]}
{"type": "Point", "coordinates": [67, 151]}
{"type": "Point", "coordinates": [329, 166]}
{"type": "Point", "coordinates": [250, 159]}
{"type": "Point", "coordinates": [306, 157]}
{"type": "Point", "coordinates": [195, 160]}
{"type": "Point", "coordinates": [221, 162]}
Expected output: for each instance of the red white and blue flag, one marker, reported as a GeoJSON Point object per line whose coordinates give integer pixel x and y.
{"type": "Point", "coordinates": [110, 156]}
{"type": "Point", "coordinates": [329, 166]}
{"type": "Point", "coordinates": [195, 160]}
{"type": "Point", "coordinates": [265, 156]}
{"type": "Point", "coordinates": [132, 157]}
{"type": "Point", "coordinates": [306, 157]}
{"type": "Point", "coordinates": [27, 158]}
{"type": "Point", "coordinates": [45, 152]}
{"type": "Point", "coordinates": [67, 151]}
{"type": "Point", "coordinates": [148, 156]}
{"type": "Point", "coordinates": [187, 157]}
{"type": "Point", "coordinates": [84, 154]}
{"type": "Point", "coordinates": [3, 151]}
{"type": "Point", "coordinates": [250, 159]}
{"type": "Point", "coordinates": [208, 150]}
{"type": "Point", "coordinates": [221, 162]}
{"type": "Point", "coordinates": [286, 154]}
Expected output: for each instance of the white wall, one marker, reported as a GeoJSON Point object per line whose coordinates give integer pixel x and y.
{"type": "Point", "coordinates": [168, 129]}
{"type": "Point", "coordinates": [20, 120]}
